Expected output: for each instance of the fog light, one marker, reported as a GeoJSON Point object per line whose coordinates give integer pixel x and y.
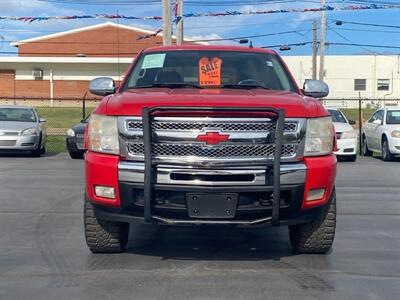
{"type": "Point", "coordinates": [104, 191]}
{"type": "Point", "coordinates": [315, 194]}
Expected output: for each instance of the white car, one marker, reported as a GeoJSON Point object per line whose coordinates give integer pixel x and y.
{"type": "Point", "coordinates": [382, 133]}
{"type": "Point", "coordinates": [346, 136]}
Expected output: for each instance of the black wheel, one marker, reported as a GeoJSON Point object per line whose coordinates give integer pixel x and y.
{"type": "Point", "coordinates": [76, 154]}
{"type": "Point", "coordinates": [364, 147]}
{"type": "Point", "coordinates": [317, 236]}
{"type": "Point", "coordinates": [386, 155]}
{"type": "Point", "coordinates": [43, 150]}
{"type": "Point", "coordinates": [38, 151]}
{"type": "Point", "coordinates": [351, 158]}
{"type": "Point", "coordinates": [104, 236]}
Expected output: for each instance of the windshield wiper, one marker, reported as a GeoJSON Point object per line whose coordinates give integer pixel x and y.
{"type": "Point", "coordinates": [168, 85]}
{"type": "Point", "coordinates": [244, 86]}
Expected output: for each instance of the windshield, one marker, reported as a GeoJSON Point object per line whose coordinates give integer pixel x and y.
{"type": "Point", "coordinates": [209, 69]}
{"type": "Point", "coordinates": [17, 114]}
{"type": "Point", "coordinates": [393, 117]}
{"type": "Point", "coordinates": [337, 116]}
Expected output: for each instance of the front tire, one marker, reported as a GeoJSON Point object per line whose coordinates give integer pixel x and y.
{"type": "Point", "coordinates": [364, 149]}
{"type": "Point", "coordinates": [351, 158]}
{"type": "Point", "coordinates": [76, 154]}
{"type": "Point", "coordinates": [317, 236]}
{"type": "Point", "coordinates": [386, 155]}
{"type": "Point", "coordinates": [38, 151]}
{"type": "Point", "coordinates": [104, 236]}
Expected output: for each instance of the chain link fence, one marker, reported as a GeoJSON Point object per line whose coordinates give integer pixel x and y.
{"type": "Point", "coordinates": [60, 114]}
{"type": "Point", "coordinates": [63, 113]}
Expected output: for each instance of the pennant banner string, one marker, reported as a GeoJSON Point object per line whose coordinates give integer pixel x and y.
{"type": "Point", "coordinates": [31, 19]}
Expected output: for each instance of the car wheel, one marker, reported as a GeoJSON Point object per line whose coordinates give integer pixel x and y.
{"type": "Point", "coordinates": [386, 155]}
{"type": "Point", "coordinates": [364, 149]}
{"type": "Point", "coordinates": [351, 158]}
{"type": "Point", "coordinates": [43, 150]}
{"type": "Point", "coordinates": [104, 236]}
{"type": "Point", "coordinates": [76, 155]}
{"type": "Point", "coordinates": [317, 236]}
{"type": "Point", "coordinates": [38, 151]}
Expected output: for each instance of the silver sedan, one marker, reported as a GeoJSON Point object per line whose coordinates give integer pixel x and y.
{"type": "Point", "coordinates": [21, 128]}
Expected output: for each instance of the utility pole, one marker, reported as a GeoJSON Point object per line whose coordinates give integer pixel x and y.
{"type": "Point", "coordinates": [179, 24]}
{"type": "Point", "coordinates": [314, 50]}
{"type": "Point", "coordinates": [322, 43]}
{"type": "Point", "coordinates": [166, 15]}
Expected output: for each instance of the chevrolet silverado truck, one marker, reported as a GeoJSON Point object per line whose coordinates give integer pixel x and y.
{"type": "Point", "coordinates": [210, 135]}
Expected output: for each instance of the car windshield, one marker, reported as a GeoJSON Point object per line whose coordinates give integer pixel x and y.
{"type": "Point", "coordinates": [17, 114]}
{"type": "Point", "coordinates": [393, 117]}
{"type": "Point", "coordinates": [337, 116]}
{"type": "Point", "coordinates": [209, 69]}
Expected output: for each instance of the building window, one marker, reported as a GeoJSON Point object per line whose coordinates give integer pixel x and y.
{"type": "Point", "coordinates": [360, 84]}
{"type": "Point", "coordinates": [383, 84]}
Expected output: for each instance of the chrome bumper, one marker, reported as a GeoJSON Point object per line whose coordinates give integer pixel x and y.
{"type": "Point", "coordinates": [291, 174]}
{"type": "Point", "coordinates": [28, 142]}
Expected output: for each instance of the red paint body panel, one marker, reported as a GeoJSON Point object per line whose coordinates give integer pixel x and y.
{"type": "Point", "coordinates": [131, 102]}
{"type": "Point", "coordinates": [321, 173]}
{"type": "Point", "coordinates": [101, 169]}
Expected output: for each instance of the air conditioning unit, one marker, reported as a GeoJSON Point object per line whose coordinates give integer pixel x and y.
{"type": "Point", "coordinates": [37, 74]}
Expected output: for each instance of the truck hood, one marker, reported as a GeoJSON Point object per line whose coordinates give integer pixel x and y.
{"type": "Point", "coordinates": [131, 102]}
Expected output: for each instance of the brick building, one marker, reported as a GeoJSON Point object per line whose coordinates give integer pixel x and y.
{"type": "Point", "coordinates": [60, 65]}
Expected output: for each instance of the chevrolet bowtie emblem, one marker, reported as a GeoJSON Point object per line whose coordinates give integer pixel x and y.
{"type": "Point", "coordinates": [212, 138]}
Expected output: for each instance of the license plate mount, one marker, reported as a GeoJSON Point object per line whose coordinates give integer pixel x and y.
{"type": "Point", "coordinates": [211, 205]}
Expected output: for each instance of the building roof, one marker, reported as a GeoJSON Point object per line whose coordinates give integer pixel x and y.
{"type": "Point", "coordinates": [65, 59]}
{"type": "Point", "coordinates": [87, 28]}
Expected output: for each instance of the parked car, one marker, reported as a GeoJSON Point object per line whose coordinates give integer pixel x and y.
{"type": "Point", "coordinates": [21, 129]}
{"type": "Point", "coordinates": [210, 135]}
{"type": "Point", "coordinates": [75, 139]}
{"type": "Point", "coordinates": [346, 136]}
{"type": "Point", "coordinates": [382, 134]}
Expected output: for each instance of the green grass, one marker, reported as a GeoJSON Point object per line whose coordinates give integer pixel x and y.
{"type": "Point", "coordinates": [61, 117]}
{"type": "Point", "coordinates": [55, 144]}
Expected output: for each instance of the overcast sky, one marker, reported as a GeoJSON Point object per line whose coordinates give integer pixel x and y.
{"type": "Point", "coordinates": [213, 27]}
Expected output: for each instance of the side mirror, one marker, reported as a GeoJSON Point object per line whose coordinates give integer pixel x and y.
{"type": "Point", "coordinates": [102, 86]}
{"type": "Point", "coordinates": [42, 120]}
{"type": "Point", "coordinates": [315, 88]}
{"type": "Point", "coordinates": [352, 122]}
{"type": "Point", "coordinates": [377, 122]}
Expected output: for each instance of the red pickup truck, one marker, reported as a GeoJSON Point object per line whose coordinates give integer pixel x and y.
{"type": "Point", "coordinates": [210, 135]}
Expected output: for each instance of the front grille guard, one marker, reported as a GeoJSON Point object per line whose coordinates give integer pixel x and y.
{"type": "Point", "coordinates": [147, 118]}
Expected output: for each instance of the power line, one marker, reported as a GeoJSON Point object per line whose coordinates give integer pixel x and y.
{"type": "Point", "coordinates": [334, 44]}
{"type": "Point", "coordinates": [348, 40]}
{"type": "Point", "coordinates": [364, 45]}
{"type": "Point", "coordinates": [340, 22]}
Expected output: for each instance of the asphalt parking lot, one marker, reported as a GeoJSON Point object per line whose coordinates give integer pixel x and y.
{"type": "Point", "coordinates": [43, 253]}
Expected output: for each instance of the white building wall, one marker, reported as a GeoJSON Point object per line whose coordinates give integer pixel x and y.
{"type": "Point", "coordinates": [342, 70]}
{"type": "Point", "coordinates": [66, 71]}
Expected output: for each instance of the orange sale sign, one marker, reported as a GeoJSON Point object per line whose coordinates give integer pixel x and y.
{"type": "Point", "coordinates": [210, 71]}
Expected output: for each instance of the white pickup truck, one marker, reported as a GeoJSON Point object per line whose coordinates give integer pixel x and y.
{"type": "Point", "coordinates": [382, 133]}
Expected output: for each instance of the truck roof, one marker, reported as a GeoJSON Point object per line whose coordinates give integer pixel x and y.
{"type": "Point", "coordinates": [209, 47]}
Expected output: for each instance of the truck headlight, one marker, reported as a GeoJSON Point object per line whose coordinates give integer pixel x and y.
{"type": "Point", "coordinates": [30, 131]}
{"type": "Point", "coordinates": [319, 137]}
{"type": "Point", "coordinates": [349, 134]}
{"type": "Point", "coordinates": [395, 133]}
{"type": "Point", "coordinates": [103, 134]}
{"type": "Point", "coordinates": [70, 132]}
